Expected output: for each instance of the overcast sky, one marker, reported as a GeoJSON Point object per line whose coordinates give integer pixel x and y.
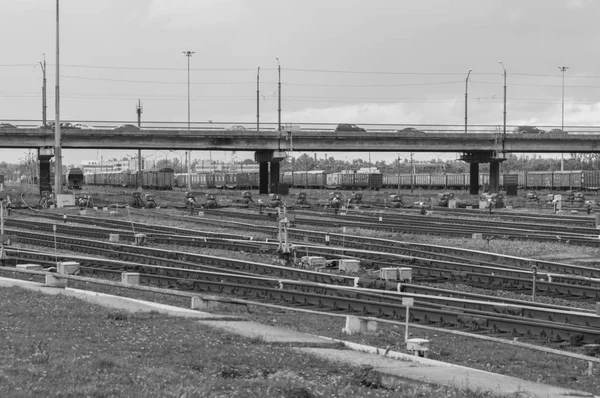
{"type": "Point", "coordinates": [364, 62]}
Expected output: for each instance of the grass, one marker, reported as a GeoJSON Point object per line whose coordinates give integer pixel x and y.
{"type": "Point", "coordinates": [61, 346]}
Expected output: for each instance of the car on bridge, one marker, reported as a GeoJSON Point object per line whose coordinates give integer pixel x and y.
{"type": "Point", "coordinates": [349, 127]}
{"type": "Point", "coordinates": [235, 127]}
{"type": "Point", "coordinates": [83, 126]}
{"type": "Point", "coordinates": [127, 127]}
{"type": "Point", "coordinates": [409, 130]}
{"type": "Point", "coordinates": [7, 126]}
{"type": "Point", "coordinates": [556, 131]}
{"type": "Point", "coordinates": [527, 130]}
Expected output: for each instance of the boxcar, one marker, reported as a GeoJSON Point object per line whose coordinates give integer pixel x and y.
{"type": "Point", "coordinates": [74, 178]}
{"type": "Point", "coordinates": [165, 178]}
{"type": "Point", "coordinates": [316, 179]}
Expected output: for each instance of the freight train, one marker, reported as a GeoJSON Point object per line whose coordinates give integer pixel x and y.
{"type": "Point", "coordinates": [151, 178]}
{"type": "Point", "coordinates": [319, 179]}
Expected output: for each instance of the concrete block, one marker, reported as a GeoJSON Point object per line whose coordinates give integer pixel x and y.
{"type": "Point", "coordinates": [34, 267]}
{"type": "Point", "coordinates": [198, 303]}
{"type": "Point", "coordinates": [349, 265]}
{"type": "Point", "coordinates": [105, 208]}
{"type": "Point", "coordinates": [83, 212]}
{"type": "Point", "coordinates": [95, 207]}
{"type": "Point", "coordinates": [389, 274]}
{"type": "Point", "coordinates": [452, 204]}
{"type": "Point", "coordinates": [405, 274]}
{"type": "Point", "coordinates": [477, 236]}
{"type": "Point", "coordinates": [114, 213]}
{"type": "Point", "coordinates": [419, 347]}
{"type": "Point", "coordinates": [63, 200]}
{"type": "Point", "coordinates": [314, 261]}
{"type": "Point", "coordinates": [469, 207]}
{"type": "Point", "coordinates": [131, 278]}
{"type": "Point", "coordinates": [67, 267]}
{"type": "Point", "coordinates": [53, 281]}
{"type": "Point", "coordinates": [113, 238]}
{"type": "Point", "coordinates": [355, 325]}
{"type": "Point", "coordinates": [509, 207]}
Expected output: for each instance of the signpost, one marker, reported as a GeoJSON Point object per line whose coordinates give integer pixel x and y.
{"type": "Point", "coordinates": [407, 302]}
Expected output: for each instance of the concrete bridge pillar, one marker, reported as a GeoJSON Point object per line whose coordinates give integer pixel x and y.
{"type": "Point", "coordinates": [263, 178]}
{"type": "Point", "coordinates": [274, 177]}
{"type": "Point", "coordinates": [44, 156]}
{"type": "Point", "coordinates": [494, 177]}
{"type": "Point", "coordinates": [474, 178]}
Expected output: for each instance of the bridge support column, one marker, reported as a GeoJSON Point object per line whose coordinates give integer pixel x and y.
{"type": "Point", "coordinates": [44, 156]}
{"type": "Point", "coordinates": [264, 158]}
{"type": "Point", "coordinates": [263, 178]}
{"type": "Point", "coordinates": [474, 178]}
{"type": "Point", "coordinates": [494, 177]}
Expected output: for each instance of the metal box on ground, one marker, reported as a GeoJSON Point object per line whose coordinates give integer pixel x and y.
{"type": "Point", "coordinates": [349, 265]}
{"type": "Point", "coordinates": [420, 347]}
{"type": "Point", "coordinates": [314, 261]}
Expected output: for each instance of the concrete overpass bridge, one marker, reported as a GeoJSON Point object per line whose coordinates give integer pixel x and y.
{"type": "Point", "coordinates": [271, 146]}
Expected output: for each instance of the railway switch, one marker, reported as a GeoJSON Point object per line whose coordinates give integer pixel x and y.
{"type": "Point", "coordinates": [140, 239]}
{"type": "Point", "coordinates": [302, 199]}
{"type": "Point", "coordinates": [136, 200]}
{"type": "Point", "coordinates": [211, 202]}
{"type": "Point", "coordinates": [150, 201]}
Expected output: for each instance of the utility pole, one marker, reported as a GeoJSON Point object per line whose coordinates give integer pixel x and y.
{"type": "Point", "coordinates": [57, 140]}
{"type": "Point", "coordinates": [138, 110]}
{"type": "Point", "coordinates": [44, 106]}
{"type": "Point", "coordinates": [279, 97]}
{"type": "Point", "coordinates": [504, 117]}
{"type": "Point", "coordinates": [258, 100]}
{"type": "Point", "coordinates": [466, 95]}
{"type": "Point", "coordinates": [398, 192]}
{"type": "Point", "coordinates": [412, 171]}
{"type": "Point", "coordinates": [188, 54]}
{"type": "Point", "coordinates": [563, 69]}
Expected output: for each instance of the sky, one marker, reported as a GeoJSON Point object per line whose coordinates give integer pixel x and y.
{"type": "Point", "coordinates": [342, 61]}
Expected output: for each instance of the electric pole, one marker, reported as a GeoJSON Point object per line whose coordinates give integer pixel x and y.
{"type": "Point", "coordinates": [138, 110]}
{"type": "Point", "coordinates": [412, 170]}
{"type": "Point", "coordinates": [44, 106]}
{"type": "Point", "coordinates": [466, 95]}
{"type": "Point", "coordinates": [279, 97]}
{"type": "Point", "coordinates": [188, 54]}
{"type": "Point", "coordinates": [258, 100]}
{"type": "Point", "coordinates": [57, 140]}
{"type": "Point", "coordinates": [563, 69]}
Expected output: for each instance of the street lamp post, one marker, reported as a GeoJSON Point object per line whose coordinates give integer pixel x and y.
{"type": "Point", "coordinates": [504, 116]}
{"type": "Point", "coordinates": [563, 69]}
{"type": "Point", "coordinates": [57, 140]}
{"type": "Point", "coordinates": [466, 96]}
{"type": "Point", "coordinates": [279, 96]}
{"type": "Point", "coordinates": [188, 54]}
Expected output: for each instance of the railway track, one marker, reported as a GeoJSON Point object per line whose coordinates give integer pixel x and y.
{"type": "Point", "coordinates": [545, 322]}
{"type": "Point", "coordinates": [376, 253]}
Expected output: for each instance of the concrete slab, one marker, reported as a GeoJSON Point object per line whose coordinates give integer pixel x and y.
{"type": "Point", "coordinates": [116, 302]}
{"type": "Point", "coordinates": [398, 372]}
{"type": "Point", "coordinates": [271, 334]}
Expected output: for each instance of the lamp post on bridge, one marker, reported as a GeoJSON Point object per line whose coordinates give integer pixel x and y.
{"type": "Point", "coordinates": [188, 54]}
{"type": "Point", "coordinates": [180, 159]}
{"type": "Point", "coordinates": [504, 114]}
{"type": "Point", "coordinates": [466, 96]}
{"type": "Point", "coordinates": [563, 69]}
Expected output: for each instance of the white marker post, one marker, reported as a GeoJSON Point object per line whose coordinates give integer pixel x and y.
{"type": "Point", "coordinates": [407, 302]}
